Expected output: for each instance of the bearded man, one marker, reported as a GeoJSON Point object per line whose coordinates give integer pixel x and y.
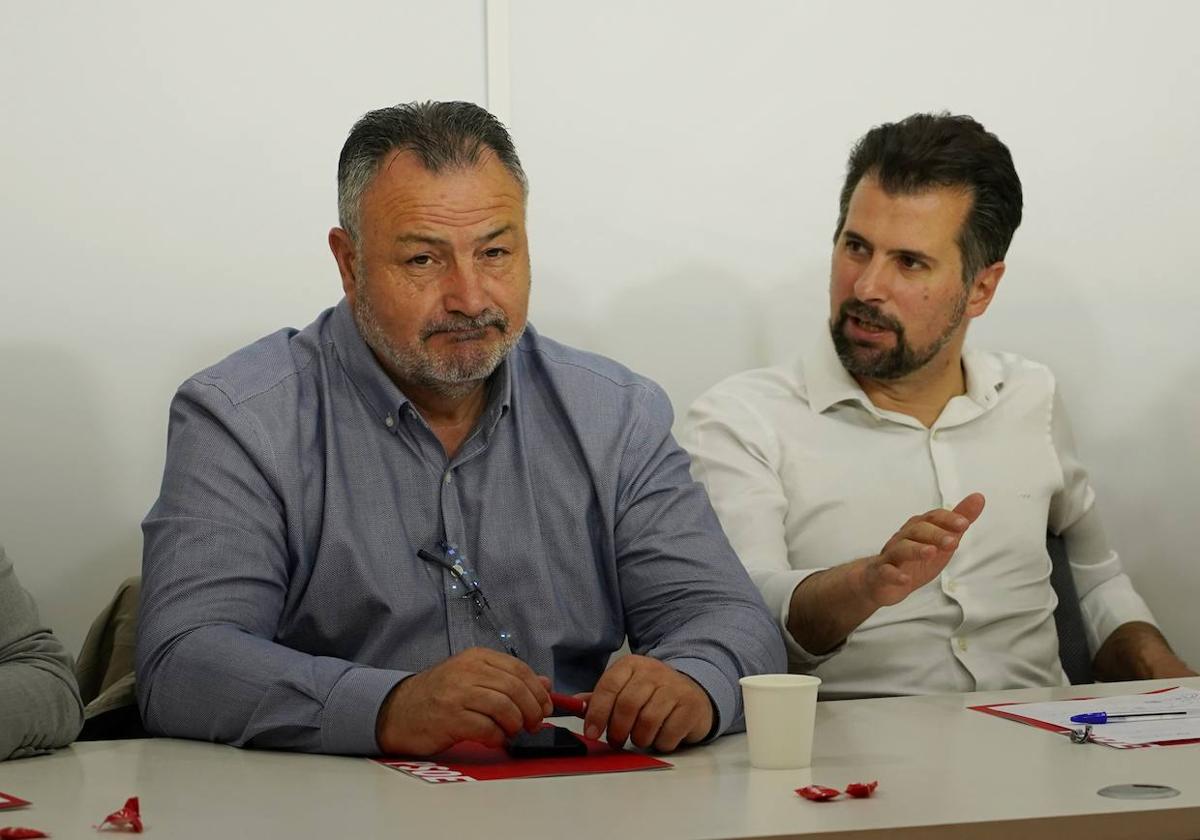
{"type": "Point", "coordinates": [336, 500]}
{"type": "Point", "coordinates": [812, 465]}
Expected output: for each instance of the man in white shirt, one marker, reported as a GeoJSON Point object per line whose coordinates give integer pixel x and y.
{"type": "Point", "coordinates": [811, 466]}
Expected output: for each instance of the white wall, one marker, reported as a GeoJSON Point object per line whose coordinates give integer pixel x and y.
{"type": "Point", "coordinates": [686, 160]}
{"type": "Point", "coordinates": [170, 177]}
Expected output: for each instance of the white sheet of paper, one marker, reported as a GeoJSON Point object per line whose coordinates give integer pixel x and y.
{"type": "Point", "coordinates": [1124, 734]}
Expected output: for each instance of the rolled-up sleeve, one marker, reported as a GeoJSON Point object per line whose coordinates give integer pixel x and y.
{"type": "Point", "coordinates": [1107, 598]}
{"type": "Point", "coordinates": [735, 454]}
{"type": "Point", "coordinates": [40, 707]}
{"type": "Point", "coordinates": [688, 601]}
{"type": "Point", "coordinates": [216, 571]}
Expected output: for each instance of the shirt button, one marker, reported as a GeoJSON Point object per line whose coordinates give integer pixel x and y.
{"type": "Point", "coordinates": [951, 586]}
{"type": "Point", "coordinates": [962, 644]}
{"type": "Point", "coordinates": [446, 478]}
{"type": "Point", "coordinates": [389, 422]}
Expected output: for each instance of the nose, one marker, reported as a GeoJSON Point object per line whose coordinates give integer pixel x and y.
{"type": "Point", "coordinates": [463, 290]}
{"type": "Point", "coordinates": [872, 282]}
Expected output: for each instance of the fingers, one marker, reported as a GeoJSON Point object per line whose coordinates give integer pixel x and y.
{"type": "Point", "coordinates": [651, 718]}
{"type": "Point", "coordinates": [949, 521]}
{"type": "Point", "coordinates": [678, 726]}
{"type": "Point", "coordinates": [891, 574]}
{"type": "Point", "coordinates": [940, 528]}
{"type": "Point", "coordinates": [516, 681]}
{"type": "Point", "coordinates": [477, 695]}
{"type": "Point", "coordinates": [650, 703]}
{"type": "Point", "coordinates": [942, 535]}
{"type": "Point", "coordinates": [481, 728]}
{"type": "Point", "coordinates": [497, 701]}
{"type": "Point", "coordinates": [919, 551]}
{"type": "Point", "coordinates": [626, 709]}
{"type": "Point", "coordinates": [604, 695]}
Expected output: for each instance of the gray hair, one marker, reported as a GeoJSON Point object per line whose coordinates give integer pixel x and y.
{"type": "Point", "coordinates": [444, 135]}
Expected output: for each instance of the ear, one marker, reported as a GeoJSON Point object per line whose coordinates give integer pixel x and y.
{"type": "Point", "coordinates": [983, 289]}
{"type": "Point", "coordinates": [343, 250]}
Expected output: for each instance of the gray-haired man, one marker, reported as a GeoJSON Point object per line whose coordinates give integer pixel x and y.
{"type": "Point", "coordinates": [285, 601]}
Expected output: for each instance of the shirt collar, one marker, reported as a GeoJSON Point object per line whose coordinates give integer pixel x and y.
{"type": "Point", "coordinates": [377, 388]}
{"type": "Point", "coordinates": [827, 382]}
{"type": "Point", "coordinates": [984, 375]}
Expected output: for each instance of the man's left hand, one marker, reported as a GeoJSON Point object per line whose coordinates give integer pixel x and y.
{"type": "Point", "coordinates": [649, 702]}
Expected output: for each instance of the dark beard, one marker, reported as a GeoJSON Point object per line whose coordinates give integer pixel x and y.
{"type": "Point", "coordinates": [896, 363]}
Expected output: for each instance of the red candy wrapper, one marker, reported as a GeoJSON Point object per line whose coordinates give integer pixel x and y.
{"type": "Point", "coordinates": [817, 793]}
{"type": "Point", "coordinates": [15, 833]}
{"type": "Point", "coordinates": [861, 790]}
{"type": "Point", "coordinates": [128, 818]}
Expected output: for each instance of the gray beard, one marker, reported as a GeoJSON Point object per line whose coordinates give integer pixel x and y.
{"type": "Point", "coordinates": [452, 378]}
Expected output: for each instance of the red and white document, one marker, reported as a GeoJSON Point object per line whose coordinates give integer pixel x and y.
{"type": "Point", "coordinates": [1055, 716]}
{"type": "Point", "coordinates": [471, 762]}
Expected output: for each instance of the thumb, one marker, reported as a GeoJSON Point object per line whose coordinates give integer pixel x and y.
{"type": "Point", "coordinates": [970, 507]}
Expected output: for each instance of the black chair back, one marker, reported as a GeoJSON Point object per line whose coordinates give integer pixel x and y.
{"type": "Point", "coordinates": [1068, 618]}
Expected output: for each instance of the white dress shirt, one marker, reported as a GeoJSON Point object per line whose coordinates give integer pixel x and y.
{"type": "Point", "coordinates": [806, 472]}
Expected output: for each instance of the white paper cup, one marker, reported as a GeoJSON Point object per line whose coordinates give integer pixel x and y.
{"type": "Point", "coordinates": [780, 709]}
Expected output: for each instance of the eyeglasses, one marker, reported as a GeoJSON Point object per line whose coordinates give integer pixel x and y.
{"type": "Point", "coordinates": [453, 562]}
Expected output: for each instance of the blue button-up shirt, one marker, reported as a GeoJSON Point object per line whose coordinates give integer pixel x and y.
{"type": "Point", "coordinates": [283, 597]}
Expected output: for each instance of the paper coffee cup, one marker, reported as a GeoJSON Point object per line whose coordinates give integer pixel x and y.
{"type": "Point", "coordinates": [780, 710]}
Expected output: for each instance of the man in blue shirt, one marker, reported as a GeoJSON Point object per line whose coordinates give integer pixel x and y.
{"type": "Point", "coordinates": [284, 600]}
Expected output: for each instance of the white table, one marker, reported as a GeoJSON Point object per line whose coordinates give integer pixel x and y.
{"type": "Point", "coordinates": [944, 771]}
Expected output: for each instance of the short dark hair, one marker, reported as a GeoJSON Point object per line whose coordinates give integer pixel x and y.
{"type": "Point", "coordinates": [444, 135]}
{"type": "Point", "coordinates": [926, 151]}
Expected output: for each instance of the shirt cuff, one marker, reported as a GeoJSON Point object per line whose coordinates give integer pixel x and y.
{"type": "Point", "coordinates": [1108, 606]}
{"type": "Point", "coordinates": [352, 711]}
{"type": "Point", "coordinates": [726, 699]}
{"type": "Point", "coordinates": [777, 589]}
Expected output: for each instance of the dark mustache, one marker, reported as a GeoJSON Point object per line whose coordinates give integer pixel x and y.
{"type": "Point", "coordinates": [461, 323]}
{"type": "Point", "coordinates": [868, 314]}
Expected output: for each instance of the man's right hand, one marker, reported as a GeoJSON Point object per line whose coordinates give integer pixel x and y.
{"type": "Point", "coordinates": [828, 605]}
{"type": "Point", "coordinates": [477, 695]}
{"type": "Point", "coordinates": [917, 553]}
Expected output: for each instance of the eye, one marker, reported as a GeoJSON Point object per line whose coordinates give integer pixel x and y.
{"type": "Point", "coordinates": [911, 263]}
{"type": "Point", "coordinates": [420, 260]}
{"type": "Point", "coordinates": [495, 253]}
{"type": "Point", "coordinates": [855, 246]}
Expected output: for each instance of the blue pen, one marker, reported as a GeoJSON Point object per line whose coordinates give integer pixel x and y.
{"type": "Point", "coordinates": [1104, 717]}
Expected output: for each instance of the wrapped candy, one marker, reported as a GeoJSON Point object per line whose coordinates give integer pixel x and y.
{"type": "Point", "coordinates": [17, 833]}
{"type": "Point", "coordinates": [861, 790]}
{"type": "Point", "coordinates": [820, 793]}
{"type": "Point", "coordinates": [817, 793]}
{"type": "Point", "coordinates": [128, 818]}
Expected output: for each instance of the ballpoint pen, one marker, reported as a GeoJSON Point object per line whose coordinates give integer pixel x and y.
{"type": "Point", "coordinates": [1104, 717]}
{"type": "Point", "coordinates": [483, 612]}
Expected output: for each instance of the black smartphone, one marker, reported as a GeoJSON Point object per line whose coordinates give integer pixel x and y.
{"type": "Point", "coordinates": [547, 742]}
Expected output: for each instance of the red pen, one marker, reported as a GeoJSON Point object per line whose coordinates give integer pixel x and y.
{"type": "Point", "coordinates": [567, 703]}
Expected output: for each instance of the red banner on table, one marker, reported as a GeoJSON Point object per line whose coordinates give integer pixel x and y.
{"type": "Point", "coordinates": [471, 762]}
